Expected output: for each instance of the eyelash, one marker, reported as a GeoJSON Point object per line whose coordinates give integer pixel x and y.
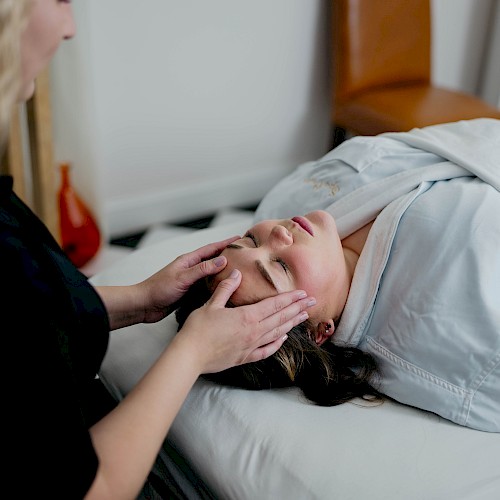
{"type": "Point", "coordinates": [276, 259]}
{"type": "Point", "coordinates": [253, 238]}
{"type": "Point", "coordinates": [282, 264]}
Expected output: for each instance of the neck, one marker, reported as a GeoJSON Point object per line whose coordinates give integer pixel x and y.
{"type": "Point", "coordinates": [356, 241]}
{"type": "Point", "coordinates": [353, 246]}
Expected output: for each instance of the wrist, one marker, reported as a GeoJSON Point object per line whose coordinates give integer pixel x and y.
{"type": "Point", "coordinates": [188, 351]}
{"type": "Point", "coordinates": [124, 305]}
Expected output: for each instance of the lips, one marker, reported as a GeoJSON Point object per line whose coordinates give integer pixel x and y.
{"type": "Point", "coordinates": [304, 224]}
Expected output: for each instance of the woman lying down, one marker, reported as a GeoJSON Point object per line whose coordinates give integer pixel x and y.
{"type": "Point", "coordinates": [398, 238]}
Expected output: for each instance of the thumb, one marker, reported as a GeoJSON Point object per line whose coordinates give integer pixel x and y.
{"type": "Point", "coordinates": [205, 268]}
{"type": "Point", "coordinates": [225, 289]}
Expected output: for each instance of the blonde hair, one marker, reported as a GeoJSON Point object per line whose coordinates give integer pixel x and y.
{"type": "Point", "coordinates": [13, 19]}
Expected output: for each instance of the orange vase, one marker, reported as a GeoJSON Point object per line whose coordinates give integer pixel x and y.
{"type": "Point", "coordinates": [80, 235]}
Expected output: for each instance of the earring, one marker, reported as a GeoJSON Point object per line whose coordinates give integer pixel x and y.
{"type": "Point", "coordinates": [328, 326]}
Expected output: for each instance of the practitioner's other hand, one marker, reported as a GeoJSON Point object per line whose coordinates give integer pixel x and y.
{"type": "Point", "coordinates": [162, 290]}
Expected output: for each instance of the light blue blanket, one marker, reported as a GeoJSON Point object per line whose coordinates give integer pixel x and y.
{"type": "Point", "coordinates": [425, 298]}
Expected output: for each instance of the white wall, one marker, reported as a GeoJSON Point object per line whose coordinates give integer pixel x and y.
{"type": "Point", "coordinates": [466, 46]}
{"type": "Point", "coordinates": [490, 85]}
{"type": "Point", "coordinates": [188, 106]}
{"type": "Point", "coordinates": [173, 109]}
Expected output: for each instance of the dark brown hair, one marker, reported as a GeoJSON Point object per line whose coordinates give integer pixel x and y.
{"type": "Point", "coordinates": [328, 375]}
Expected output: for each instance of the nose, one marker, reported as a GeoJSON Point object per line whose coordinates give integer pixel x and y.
{"type": "Point", "coordinates": [69, 25]}
{"type": "Point", "coordinates": [280, 236]}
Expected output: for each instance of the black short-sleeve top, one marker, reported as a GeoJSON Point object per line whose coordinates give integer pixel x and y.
{"type": "Point", "coordinates": [54, 333]}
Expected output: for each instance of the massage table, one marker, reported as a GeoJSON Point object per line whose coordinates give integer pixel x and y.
{"type": "Point", "coordinates": [229, 443]}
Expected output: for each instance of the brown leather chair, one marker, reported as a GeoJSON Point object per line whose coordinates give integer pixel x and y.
{"type": "Point", "coordinates": [382, 71]}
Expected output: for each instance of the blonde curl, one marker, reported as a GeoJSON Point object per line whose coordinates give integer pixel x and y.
{"type": "Point", "coordinates": [13, 19]}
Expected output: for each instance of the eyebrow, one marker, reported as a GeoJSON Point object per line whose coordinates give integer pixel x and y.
{"type": "Point", "coordinates": [260, 267]}
{"type": "Point", "coordinates": [265, 274]}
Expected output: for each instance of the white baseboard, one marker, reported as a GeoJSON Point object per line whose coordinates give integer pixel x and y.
{"type": "Point", "coordinates": [180, 203]}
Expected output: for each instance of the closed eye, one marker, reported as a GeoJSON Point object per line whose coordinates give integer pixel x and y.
{"type": "Point", "coordinates": [262, 270]}
{"type": "Point", "coordinates": [282, 263]}
{"type": "Point", "coordinates": [250, 236]}
{"type": "Point", "coordinates": [253, 238]}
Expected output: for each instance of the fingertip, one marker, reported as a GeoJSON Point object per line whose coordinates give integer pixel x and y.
{"type": "Point", "coordinates": [302, 317]}
{"type": "Point", "coordinates": [220, 261]}
{"type": "Point", "coordinates": [231, 281]}
{"type": "Point", "coordinates": [229, 240]}
{"type": "Point", "coordinates": [275, 346]}
{"type": "Point", "coordinates": [311, 301]}
{"type": "Point", "coordinates": [225, 289]}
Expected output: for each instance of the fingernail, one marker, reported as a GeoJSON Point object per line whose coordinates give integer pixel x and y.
{"type": "Point", "coordinates": [284, 337]}
{"type": "Point", "coordinates": [301, 294]}
{"type": "Point", "coordinates": [219, 261]}
{"type": "Point", "coordinates": [311, 302]}
{"type": "Point", "coordinates": [234, 273]}
{"type": "Point", "coordinates": [303, 316]}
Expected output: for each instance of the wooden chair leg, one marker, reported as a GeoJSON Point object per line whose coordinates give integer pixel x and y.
{"type": "Point", "coordinates": [339, 136]}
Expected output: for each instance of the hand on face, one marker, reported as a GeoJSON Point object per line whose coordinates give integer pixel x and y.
{"type": "Point", "coordinates": [163, 289]}
{"type": "Point", "coordinates": [223, 337]}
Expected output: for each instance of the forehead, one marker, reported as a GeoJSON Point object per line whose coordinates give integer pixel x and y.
{"type": "Point", "coordinates": [254, 285]}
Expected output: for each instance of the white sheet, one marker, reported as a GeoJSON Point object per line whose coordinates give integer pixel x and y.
{"type": "Point", "coordinates": [424, 300]}
{"type": "Point", "coordinates": [274, 445]}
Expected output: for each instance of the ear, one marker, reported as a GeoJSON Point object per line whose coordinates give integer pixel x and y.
{"type": "Point", "coordinates": [324, 331]}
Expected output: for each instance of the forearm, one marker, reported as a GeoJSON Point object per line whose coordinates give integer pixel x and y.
{"type": "Point", "coordinates": [213, 338]}
{"type": "Point", "coordinates": [127, 440]}
{"type": "Point", "coordinates": [124, 304]}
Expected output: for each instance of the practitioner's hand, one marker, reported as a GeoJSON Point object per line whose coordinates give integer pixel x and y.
{"type": "Point", "coordinates": [221, 337]}
{"type": "Point", "coordinates": [164, 288]}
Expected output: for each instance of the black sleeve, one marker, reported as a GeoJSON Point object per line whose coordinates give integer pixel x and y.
{"type": "Point", "coordinates": [49, 447]}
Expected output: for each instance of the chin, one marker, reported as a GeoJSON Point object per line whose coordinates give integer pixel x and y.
{"type": "Point", "coordinates": [322, 218]}
{"type": "Point", "coordinates": [27, 91]}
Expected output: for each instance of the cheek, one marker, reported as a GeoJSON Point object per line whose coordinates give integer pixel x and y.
{"type": "Point", "coordinates": [39, 44]}
{"type": "Point", "coordinates": [309, 276]}
{"type": "Point", "coordinates": [319, 262]}
{"type": "Point", "coordinates": [316, 274]}
{"type": "Point", "coordinates": [32, 63]}
{"type": "Point", "coordinates": [318, 285]}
